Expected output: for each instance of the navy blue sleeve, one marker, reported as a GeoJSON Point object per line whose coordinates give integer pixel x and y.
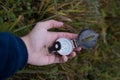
{"type": "Point", "coordinates": [13, 55]}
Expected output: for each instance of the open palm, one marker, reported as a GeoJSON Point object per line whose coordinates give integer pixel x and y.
{"type": "Point", "coordinates": [39, 39]}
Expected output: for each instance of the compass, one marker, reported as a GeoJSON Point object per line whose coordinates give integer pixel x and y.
{"type": "Point", "coordinates": [86, 39]}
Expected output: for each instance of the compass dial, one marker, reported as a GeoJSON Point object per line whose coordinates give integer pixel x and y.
{"type": "Point", "coordinates": [66, 46]}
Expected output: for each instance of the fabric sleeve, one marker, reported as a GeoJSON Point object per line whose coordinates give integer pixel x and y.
{"type": "Point", "coordinates": [13, 54]}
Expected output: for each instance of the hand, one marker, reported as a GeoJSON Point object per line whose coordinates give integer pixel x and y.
{"type": "Point", "coordinates": [39, 39]}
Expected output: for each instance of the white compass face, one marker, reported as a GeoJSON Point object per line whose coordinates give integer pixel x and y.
{"type": "Point", "coordinates": [66, 46]}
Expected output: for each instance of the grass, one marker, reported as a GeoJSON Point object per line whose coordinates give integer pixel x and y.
{"type": "Point", "coordinates": [103, 16]}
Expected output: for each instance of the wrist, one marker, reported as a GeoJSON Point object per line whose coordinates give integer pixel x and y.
{"type": "Point", "coordinates": [27, 43]}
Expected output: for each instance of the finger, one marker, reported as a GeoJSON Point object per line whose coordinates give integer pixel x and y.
{"type": "Point", "coordinates": [65, 35]}
{"type": "Point", "coordinates": [57, 59]}
{"type": "Point", "coordinates": [51, 24]}
{"type": "Point", "coordinates": [78, 49]}
{"type": "Point", "coordinates": [64, 58]}
{"type": "Point", "coordinates": [73, 54]}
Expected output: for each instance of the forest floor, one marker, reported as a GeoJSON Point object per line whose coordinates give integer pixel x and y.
{"type": "Point", "coordinates": [103, 16]}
